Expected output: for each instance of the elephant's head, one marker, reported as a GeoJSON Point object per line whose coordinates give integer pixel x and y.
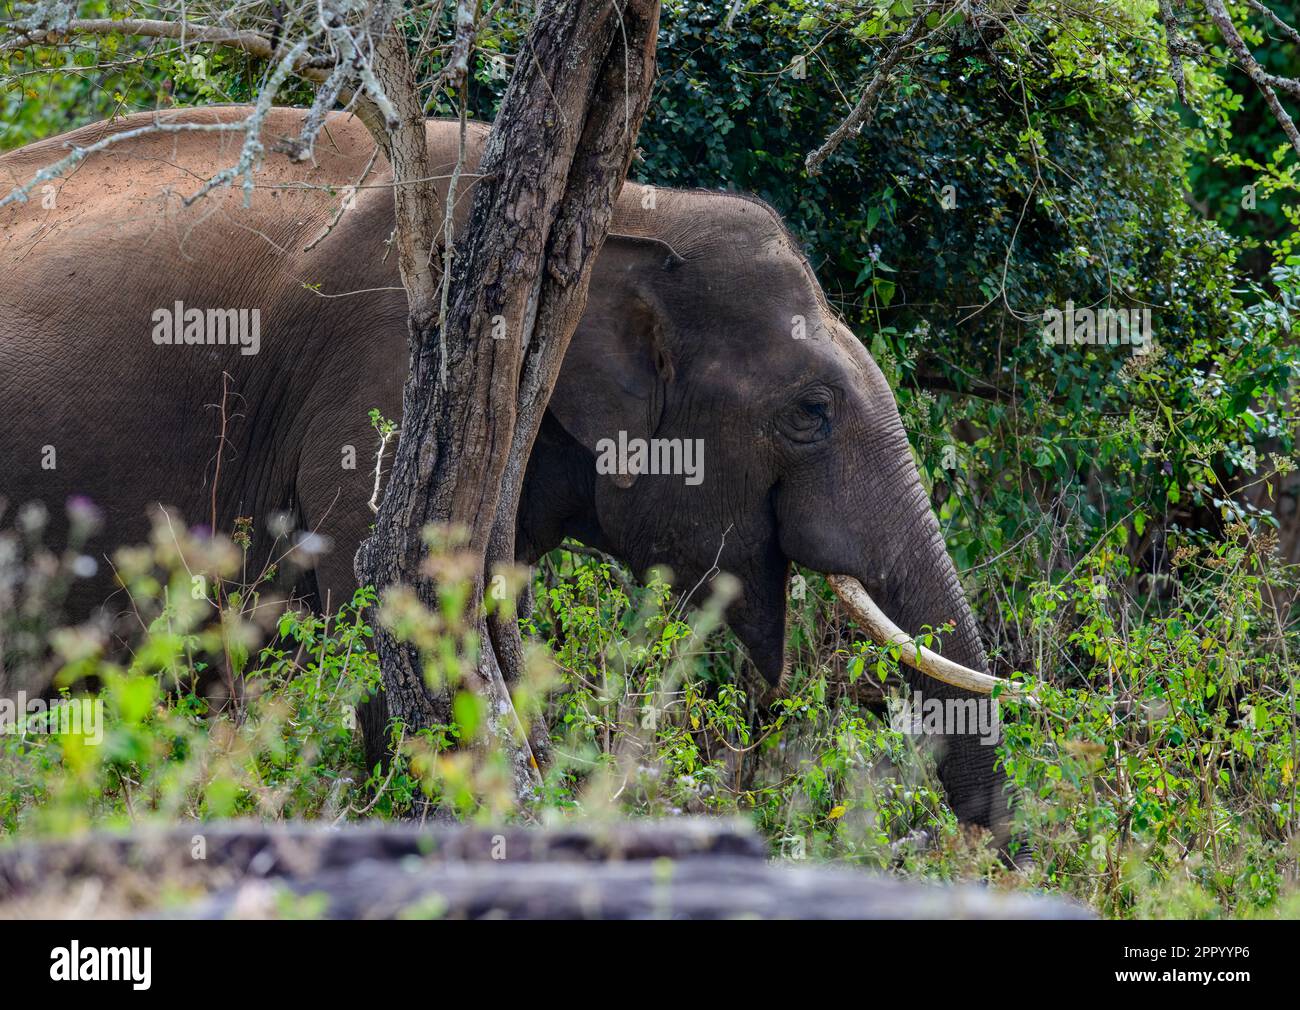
{"type": "Point", "coordinates": [706, 325]}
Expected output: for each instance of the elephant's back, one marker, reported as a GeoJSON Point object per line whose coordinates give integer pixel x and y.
{"type": "Point", "coordinates": [89, 267]}
{"type": "Point", "coordinates": [133, 193]}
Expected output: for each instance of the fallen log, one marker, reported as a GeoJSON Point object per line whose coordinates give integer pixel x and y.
{"type": "Point", "coordinates": [687, 868]}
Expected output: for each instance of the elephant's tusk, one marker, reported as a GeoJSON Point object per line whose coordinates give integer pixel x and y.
{"type": "Point", "coordinates": [886, 632]}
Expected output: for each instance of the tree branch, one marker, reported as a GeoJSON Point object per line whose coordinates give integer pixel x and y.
{"type": "Point", "coordinates": [1278, 23]}
{"type": "Point", "coordinates": [865, 109]}
{"type": "Point", "coordinates": [1265, 81]}
{"type": "Point", "coordinates": [314, 68]}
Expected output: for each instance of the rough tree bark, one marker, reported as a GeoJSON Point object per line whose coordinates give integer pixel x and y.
{"type": "Point", "coordinates": [553, 165]}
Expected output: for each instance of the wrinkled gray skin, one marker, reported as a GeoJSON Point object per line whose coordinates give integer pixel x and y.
{"type": "Point", "coordinates": [688, 334]}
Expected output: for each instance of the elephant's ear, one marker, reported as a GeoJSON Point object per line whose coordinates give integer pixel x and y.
{"type": "Point", "coordinates": [619, 369]}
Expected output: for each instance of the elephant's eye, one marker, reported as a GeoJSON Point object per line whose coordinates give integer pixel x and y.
{"type": "Point", "coordinates": [809, 418]}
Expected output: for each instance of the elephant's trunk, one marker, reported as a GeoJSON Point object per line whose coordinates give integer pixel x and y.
{"type": "Point", "coordinates": [918, 586]}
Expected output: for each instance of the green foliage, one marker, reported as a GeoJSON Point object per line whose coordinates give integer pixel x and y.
{"type": "Point", "coordinates": [200, 718]}
{"type": "Point", "coordinates": [1170, 769]}
{"type": "Point", "coordinates": [1162, 784]}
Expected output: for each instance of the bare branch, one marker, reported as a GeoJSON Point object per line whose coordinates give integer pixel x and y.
{"type": "Point", "coordinates": [381, 18]}
{"type": "Point", "coordinates": [345, 205]}
{"type": "Point", "coordinates": [1278, 23]}
{"type": "Point", "coordinates": [1265, 81]}
{"type": "Point", "coordinates": [349, 60]}
{"type": "Point", "coordinates": [731, 15]}
{"type": "Point", "coordinates": [1176, 46]}
{"type": "Point", "coordinates": [79, 154]}
{"type": "Point", "coordinates": [253, 43]}
{"type": "Point", "coordinates": [251, 153]}
{"type": "Point", "coordinates": [354, 62]}
{"type": "Point", "coordinates": [866, 107]}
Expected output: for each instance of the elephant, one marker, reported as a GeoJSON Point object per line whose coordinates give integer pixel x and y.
{"type": "Point", "coordinates": [704, 327]}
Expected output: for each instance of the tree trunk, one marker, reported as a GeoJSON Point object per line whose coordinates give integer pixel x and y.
{"type": "Point", "coordinates": [553, 165]}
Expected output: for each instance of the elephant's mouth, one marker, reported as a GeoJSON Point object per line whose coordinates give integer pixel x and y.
{"type": "Point", "coordinates": [886, 632]}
